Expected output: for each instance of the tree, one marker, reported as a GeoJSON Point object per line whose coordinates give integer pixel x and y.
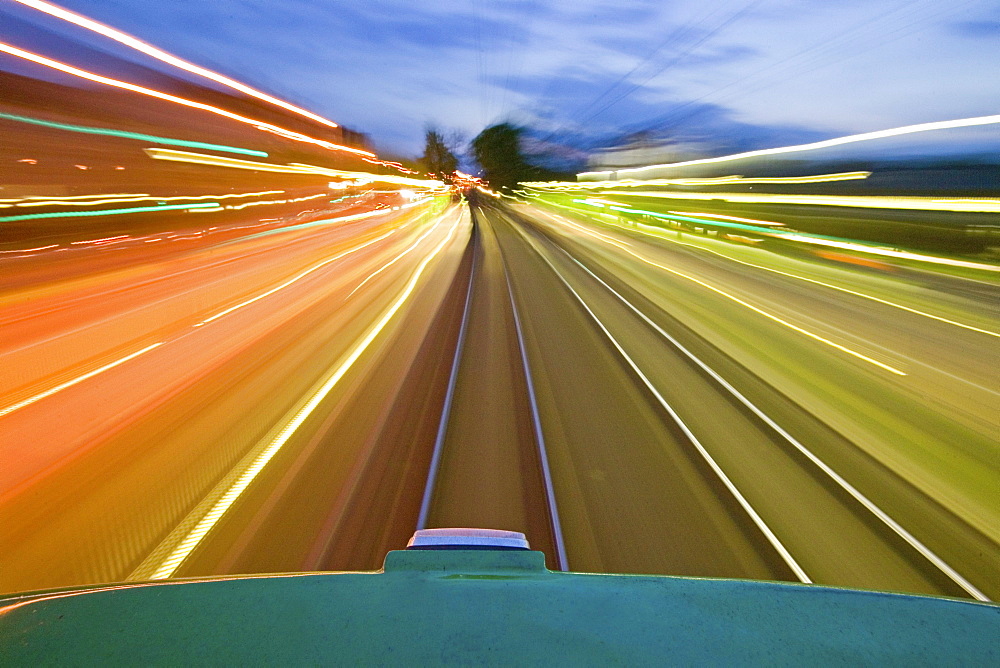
{"type": "Point", "coordinates": [438, 158]}
{"type": "Point", "coordinates": [498, 151]}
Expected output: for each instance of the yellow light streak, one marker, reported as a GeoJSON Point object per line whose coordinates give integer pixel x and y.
{"type": "Point", "coordinates": [837, 141]}
{"type": "Point", "coordinates": [142, 90]}
{"type": "Point", "coordinates": [847, 245]}
{"type": "Point", "coordinates": [238, 207]}
{"type": "Point", "coordinates": [236, 489]}
{"type": "Point", "coordinates": [960, 204]}
{"type": "Point", "coordinates": [292, 168]}
{"type": "Point", "coordinates": [220, 161]}
{"type": "Point", "coordinates": [141, 198]}
{"type": "Point", "coordinates": [73, 197]}
{"type": "Point", "coordinates": [75, 381]}
{"type": "Point", "coordinates": [163, 56]}
{"type": "Point", "coordinates": [704, 181]}
{"type": "Point", "coordinates": [755, 309]}
{"type": "Point", "coordinates": [391, 262]}
{"type": "Point", "coordinates": [377, 178]}
{"type": "Point", "coordinates": [887, 252]}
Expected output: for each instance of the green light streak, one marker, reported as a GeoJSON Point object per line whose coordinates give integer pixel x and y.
{"type": "Point", "coordinates": [133, 135]}
{"type": "Point", "coordinates": [767, 231]}
{"type": "Point", "coordinates": [106, 212]}
{"type": "Point", "coordinates": [700, 221]}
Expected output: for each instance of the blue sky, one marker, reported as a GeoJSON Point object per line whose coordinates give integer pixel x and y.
{"type": "Point", "coordinates": [792, 69]}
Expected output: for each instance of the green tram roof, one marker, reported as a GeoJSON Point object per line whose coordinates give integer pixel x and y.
{"type": "Point", "coordinates": [492, 607]}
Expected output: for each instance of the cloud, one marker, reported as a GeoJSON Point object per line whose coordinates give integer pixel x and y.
{"type": "Point", "coordinates": [388, 66]}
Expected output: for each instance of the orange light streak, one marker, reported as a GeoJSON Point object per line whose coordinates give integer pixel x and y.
{"type": "Point", "coordinates": [142, 90]}
{"type": "Point", "coordinates": [295, 278]}
{"type": "Point", "coordinates": [170, 59]}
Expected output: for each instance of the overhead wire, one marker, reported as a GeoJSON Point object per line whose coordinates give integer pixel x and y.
{"type": "Point", "coordinates": [837, 43]}
{"type": "Point", "coordinates": [677, 35]}
{"type": "Point", "coordinates": [480, 75]}
{"type": "Point", "coordinates": [515, 61]}
{"type": "Point", "coordinates": [678, 57]}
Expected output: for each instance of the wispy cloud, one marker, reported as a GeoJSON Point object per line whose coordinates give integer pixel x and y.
{"type": "Point", "coordinates": [387, 67]}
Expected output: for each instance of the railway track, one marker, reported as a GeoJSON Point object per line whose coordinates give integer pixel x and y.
{"type": "Point", "coordinates": [467, 439]}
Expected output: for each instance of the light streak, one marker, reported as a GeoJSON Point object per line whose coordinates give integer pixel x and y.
{"type": "Point", "coordinates": [75, 381]}
{"type": "Point", "coordinates": [163, 56]}
{"type": "Point", "coordinates": [142, 90]}
{"type": "Point", "coordinates": [377, 178]}
{"type": "Point", "coordinates": [220, 161]}
{"type": "Point", "coordinates": [238, 207]}
{"type": "Point", "coordinates": [102, 240]}
{"type": "Point", "coordinates": [885, 252]}
{"type": "Point", "coordinates": [103, 212]}
{"type": "Point", "coordinates": [664, 237]}
{"type": "Point", "coordinates": [706, 181]}
{"type": "Point", "coordinates": [961, 204]}
{"type": "Point", "coordinates": [93, 202]}
{"type": "Point", "coordinates": [316, 223]}
{"type": "Point", "coordinates": [69, 201]}
{"type": "Point", "coordinates": [73, 197]}
{"type": "Point", "coordinates": [688, 219]}
{"type": "Point", "coordinates": [818, 240]}
{"type": "Point", "coordinates": [755, 309]}
{"type": "Point", "coordinates": [752, 221]}
{"type": "Point", "coordinates": [133, 135]}
{"type": "Point", "coordinates": [391, 262]}
{"type": "Point", "coordinates": [236, 489]}
{"type": "Point", "coordinates": [29, 250]}
{"type": "Point", "coordinates": [294, 279]}
{"type": "Point", "coordinates": [358, 178]}
{"type": "Point", "coordinates": [837, 141]}
{"type": "Point", "coordinates": [599, 203]}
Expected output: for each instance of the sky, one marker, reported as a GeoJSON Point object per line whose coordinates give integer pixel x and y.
{"type": "Point", "coordinates": [739, 73]}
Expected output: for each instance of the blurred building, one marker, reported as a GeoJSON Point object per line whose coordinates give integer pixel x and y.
{"type": "Point", "coordinates": [356, 139]}
{"type": "Point", "coordinates": [640, 150]}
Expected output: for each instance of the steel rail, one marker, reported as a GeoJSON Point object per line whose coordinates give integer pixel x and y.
{"type": "Point", "coordinates": [775, 542]}
{"type": "Point", "coordinates": [543, 456]}
{"type": "Point", "coordinates": [442, 431]}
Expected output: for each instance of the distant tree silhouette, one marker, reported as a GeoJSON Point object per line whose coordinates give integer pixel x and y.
{"type": "Point", "coordinates": [497, 149]}
{"type": "Point", "coordinates": [438, 158]}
